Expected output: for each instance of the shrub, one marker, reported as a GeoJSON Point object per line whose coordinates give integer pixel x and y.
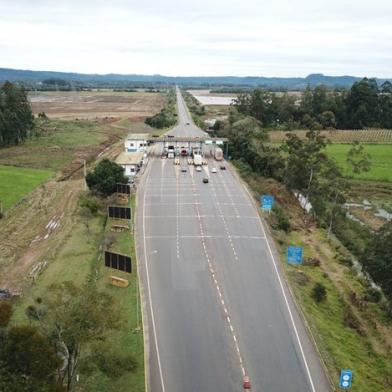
{"type": "Point", "coordinates": [372, 295]}
{"type": "Point", "coordinates": [90, 203]}
{"type": "Point", "coordinates": [5, 313]}
{"type": "Point", "coordinates": [282, 220]}
{"type": "Point", "coordinates": [319, 292]}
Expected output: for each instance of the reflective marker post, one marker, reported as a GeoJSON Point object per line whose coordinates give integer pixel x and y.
{"type": "Point", "coordinates": [346, 379]}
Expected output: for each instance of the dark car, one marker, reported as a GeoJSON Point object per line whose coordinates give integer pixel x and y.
{"type": "Point", "coordinates": [223, 167]}
{"type": "Point", "coordinates": [205, 180]}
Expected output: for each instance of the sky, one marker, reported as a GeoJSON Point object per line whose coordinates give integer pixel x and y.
{"type": "Point", "coordinates": [198, 38]}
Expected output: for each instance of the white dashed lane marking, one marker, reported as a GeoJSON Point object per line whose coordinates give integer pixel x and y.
{"type": "Point", "coordinates": [216, 283]}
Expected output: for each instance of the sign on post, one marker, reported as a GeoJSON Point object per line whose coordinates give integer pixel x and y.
{"type": "Point", "coordinates": [267, 201]}
{"type": "Point", "coordinates": [294, 254]}
{"type": "Point", "coordinates": [123, 188]}
{"type": "Point", "coordinates": [118, 261]}
{"type": "Point", "coordinates": [119, 212]}
{"type": "Point", "coordinates": [346, 378]}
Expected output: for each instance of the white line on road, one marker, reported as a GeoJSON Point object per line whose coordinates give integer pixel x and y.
{"type": "Point", "coordinates": [286, 301]}
{"type": "Point", "coordinates": [149, 295]}
{"type": "Point", "coordinates": [241, 237]}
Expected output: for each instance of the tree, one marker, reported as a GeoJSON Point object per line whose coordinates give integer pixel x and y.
{"type": "Point", "coordinates": [358, 160]}
{"type": "Point", "coordinates": [363, 104]}
{"type": "Point", "coordinates": [16, 117]}
{"type": "Point", "coordinates": [29, 357]}
{"type": "Point", "coordinates": [105, 176]}
{"type": "Point", "coordinates": [377, 259]}
{"type": "Point", "coordinates": [74, 317]}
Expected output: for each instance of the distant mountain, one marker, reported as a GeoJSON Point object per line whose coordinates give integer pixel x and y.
{"type": "Point", "coordinates": [35, 78]}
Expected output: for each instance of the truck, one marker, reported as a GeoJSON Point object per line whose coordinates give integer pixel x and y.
{"type": "Point", "coordinates": [218, 154]}
{"type": "Point", "coordinates": [170, 152]}
{"type": "Point", "coordinates": [197, 159]}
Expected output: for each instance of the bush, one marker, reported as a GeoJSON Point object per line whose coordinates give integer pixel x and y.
{"type": "Point", "coordinates": [282, 220]}
{"type": "Point", "coordinates": [319, 292]}
{"type": "Point", "coordinates": [5, 313]}
{"type": "Point", "coordinates": [372, 295]}
{"type": "Point", "coordinates": [90, 203]}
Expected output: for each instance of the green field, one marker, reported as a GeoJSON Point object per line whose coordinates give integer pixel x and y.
{"type": "Point", "coordinates": [381, 157]}
{"type": "Point", "coordinates": [16, 182]}
{"type": "Point", "coordinates": [77, 258]}
{"type": "Point", "coordinates": [59, 143]}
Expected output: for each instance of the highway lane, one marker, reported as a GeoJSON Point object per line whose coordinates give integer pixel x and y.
{"type": "Point", "coordinates": [216, 307]}
{"type": "Point", "coordinates": [189, 321]}
{"type": "Point", "coordinates": [185, 126]}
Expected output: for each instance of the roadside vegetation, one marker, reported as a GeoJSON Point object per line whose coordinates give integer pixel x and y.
{"type": "Point", "coordinates": [167, 117]}
{"type": "Point", "coordinates": [92, 328]}
{"type": "Point", "coordinates": [343, 285]}
{"type": "Point", "coordinates": [196, 109]}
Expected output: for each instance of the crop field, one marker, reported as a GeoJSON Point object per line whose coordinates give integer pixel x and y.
{"type": "Point", "coordinates": [16, 182]}
{"type": "Point", "coordinates": [381, 158]}
{"type": "Point", "coordinates": [381, 136]}
{"type": "Point", "coordinates": [96, 104]}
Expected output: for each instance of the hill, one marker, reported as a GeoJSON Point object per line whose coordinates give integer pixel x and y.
{"type": "Point", "coordinates": [34, 78]}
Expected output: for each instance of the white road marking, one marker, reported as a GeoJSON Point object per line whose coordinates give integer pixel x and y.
{"type": "Point", "coordinates": [286, 301]}
{"type": "Point", "coordinates": [240, 237]}
{"type": "Point", "coordinates": [149, 295]}
{"type": "Point", "coordinates": [213, 275]}
{"type": "Point", "coordinates": [201, 216]}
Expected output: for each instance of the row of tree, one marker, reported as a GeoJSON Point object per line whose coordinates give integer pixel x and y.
{"type": "Point", "coordinates": [167, 117]}
{"type": "Point", "coordinates": [16, 117]}
{"type": "Point", "coordinates": [363, 105]}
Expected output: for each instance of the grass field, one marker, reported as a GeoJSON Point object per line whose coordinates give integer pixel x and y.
{"type": "Point", "coordinates": [79, 257]}
{"type": "Point", "coordinates": [381, 157]}
{"type": "Point", "coordinates": [59, 144]}
{"type": "Point", "coordinates": [16, 182]}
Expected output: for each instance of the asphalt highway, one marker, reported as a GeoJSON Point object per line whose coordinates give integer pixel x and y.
{"type": "Point", "coordinates": [216, 305]}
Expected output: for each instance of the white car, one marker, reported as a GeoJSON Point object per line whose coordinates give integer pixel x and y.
{"type": "Point", "coordinates": [198, 168]}
{"type": "Point", "coordinates": [213, 170]}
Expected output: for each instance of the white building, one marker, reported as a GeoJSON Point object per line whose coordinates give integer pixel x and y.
{"type": "Point", "coordinates": [136, 142]}
{"type": "Point", "coordinates": [131, 162]}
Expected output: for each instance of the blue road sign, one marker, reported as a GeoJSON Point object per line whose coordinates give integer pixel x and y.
{"type": "Point", "coordinates": [267, 202]}
{"type": "Point", "coordinates": [346, 378]}
{"type": "Point", "coordinates": [294, 254]}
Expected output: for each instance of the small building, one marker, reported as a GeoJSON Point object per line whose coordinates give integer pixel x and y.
{"type": "Point", "coordinates": [131, 162]}
{"type": "Point", "coordinates": [136, 142]}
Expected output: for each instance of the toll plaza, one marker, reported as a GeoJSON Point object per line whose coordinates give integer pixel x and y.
{"type": "Point", "coordinates": [188, 145]}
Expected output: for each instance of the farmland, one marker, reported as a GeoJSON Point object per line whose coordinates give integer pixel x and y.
{"type": "Point", "coordinates": [381, 136]}
{"type": "Point", "coordinates": [96, 104]}
{"type": "Point", "coordinates": [16, 182]}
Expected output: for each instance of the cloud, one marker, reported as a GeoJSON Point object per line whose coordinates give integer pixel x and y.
{"type": "Point", "coordinates": [214, 37]}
